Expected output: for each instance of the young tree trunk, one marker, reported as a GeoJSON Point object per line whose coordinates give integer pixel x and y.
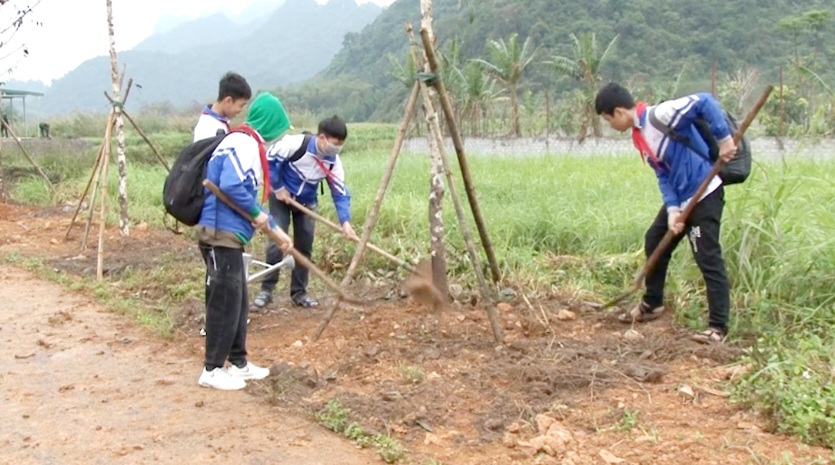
{"type": "Point", "coordinates": [436, 212]}
{"type": "Point", "coordinates": [514, 104]}
{"type": "Point", "coordinates": [2, 184]}
{"type": "Point", "coordinates": [120, 129]}
{"type": "Point", "coordinates": [597, 130]}
{"type": "Point", "coordinates": [436, 178]}
{"type": "Point", "coordinates": [464, 165]}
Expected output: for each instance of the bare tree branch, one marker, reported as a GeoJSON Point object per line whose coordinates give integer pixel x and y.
{"type": "Point", "coordinates": [10, 28]}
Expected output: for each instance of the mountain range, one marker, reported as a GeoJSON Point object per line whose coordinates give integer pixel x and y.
{"type": "Point", "coordinates": [272, 43]}
{"type": "Point", "coordinates": [338, 57]}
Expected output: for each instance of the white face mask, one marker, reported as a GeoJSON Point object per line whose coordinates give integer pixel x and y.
{"type": "Point", "coordinates": [331, 150]}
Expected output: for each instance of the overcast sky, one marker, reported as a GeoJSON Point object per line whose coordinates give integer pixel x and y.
{"type": "Point", "coordinates": [73, 31]}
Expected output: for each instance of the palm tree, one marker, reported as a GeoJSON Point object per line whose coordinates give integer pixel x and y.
{"type": "Point", "coordinates": [508, 63]}
{"type": "Point", "coordinates": [478, 90]}
{"type": "Point", "coordinates": [584, 67]}
{"type": "Point", "coordinates": [405, 74]}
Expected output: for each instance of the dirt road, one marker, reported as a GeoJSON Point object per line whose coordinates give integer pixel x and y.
{"type": "Point", "coordinates": [82, 385]}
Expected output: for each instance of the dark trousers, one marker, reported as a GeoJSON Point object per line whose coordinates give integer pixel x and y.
{"type": "Point", "coordinates": [227, 307]}
{"type": "Point", "coordinates": [304, 228]}
{"type": "Point", "coordinates": [702, 230]}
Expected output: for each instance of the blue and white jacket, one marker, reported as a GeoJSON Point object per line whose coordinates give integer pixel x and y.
{"type": "Point", "coordinates": [210, 124]}
{"type": "Point", "coordinates": [679, 169]}
{"type": "Point", "coordinates": [235, 167]}
{"type": "Point", "coordinates": [301, 178]}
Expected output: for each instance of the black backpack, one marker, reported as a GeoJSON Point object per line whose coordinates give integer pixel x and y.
{"type": "Point", "coordinates": [735, 171]}
{"type": "Point", "coordinates": [182, 193]}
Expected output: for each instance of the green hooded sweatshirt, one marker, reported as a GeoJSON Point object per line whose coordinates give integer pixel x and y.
{"type": "Point", "coordinates": [268, 116]}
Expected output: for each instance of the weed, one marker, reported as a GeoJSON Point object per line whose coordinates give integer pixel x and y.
{"type": "Point", "coordinates": [334, 416]}
{"type": "Point", "coordinates": [412, 374]}
{"type": "Point", "coordinates": [628, 420]}
{"type": "Point", "coordinates": [389, 448]}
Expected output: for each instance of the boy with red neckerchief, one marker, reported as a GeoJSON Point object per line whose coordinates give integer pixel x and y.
{"type": "Point", "coordinates": [680, 170]}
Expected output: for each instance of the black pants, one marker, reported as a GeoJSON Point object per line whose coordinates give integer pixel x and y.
{"type": "Point", "coordinates": [702, 230]}
{"type": "Point", "coordinates": [304, 228]}
{"type": "Point", "coordinates": [227, 308]}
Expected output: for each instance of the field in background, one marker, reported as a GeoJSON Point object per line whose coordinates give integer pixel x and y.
{"type": "Point", "coordinates": [568, 225]}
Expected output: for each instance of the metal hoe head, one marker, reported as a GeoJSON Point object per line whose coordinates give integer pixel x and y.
{"type": "Point", "coordinates": [287, 263]}
{"type": "Point", "coordinates": [420, 285]}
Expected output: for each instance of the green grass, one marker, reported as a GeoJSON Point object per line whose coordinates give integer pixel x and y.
{"type": "Point", "coordinates": [336, 418]}
{"type": "Point", "coordinates": [575, 225]}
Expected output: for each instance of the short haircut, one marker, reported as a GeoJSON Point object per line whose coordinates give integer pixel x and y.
{"type": "Point", "coordinates": [333, 127]}
{"type": "Point", "coordinates": [612, 96]}
{"type": "Point", "coordinates": [233, 85]}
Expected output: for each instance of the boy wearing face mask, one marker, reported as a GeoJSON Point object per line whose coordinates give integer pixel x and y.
{"type": "Point", "coordinates": [298, 177]}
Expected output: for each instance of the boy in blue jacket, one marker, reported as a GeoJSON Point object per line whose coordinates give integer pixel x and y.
{"type": "Point", "coordinates": [237, 166]}
{"type": "Point", "coordinates": [298, 177]}
{"type": "Point", "coordinates": [680, 170]}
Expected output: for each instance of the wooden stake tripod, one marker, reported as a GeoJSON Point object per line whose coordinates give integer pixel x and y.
{"type": "Point", "coordinates": [99, 175]}
{"type": "Point", "coordinates": [421, 88]}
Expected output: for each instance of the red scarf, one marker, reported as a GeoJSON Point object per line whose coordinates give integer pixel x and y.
{"type": "Point", "coordinates": [328, 173]}
{"type": "Point", "coordinates": [638, 138]}
{"type": "Point", "coordinates": [262, 153]}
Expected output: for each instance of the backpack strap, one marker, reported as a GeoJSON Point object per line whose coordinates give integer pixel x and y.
{"type": "Point", "coordinates": [297, 154]}
{"type": "Point", "coordinates": [301, 150]}
{"type": "Point", "coordinates": [670, 133]}
{"type": "Point", "coordinates": [666, 130]}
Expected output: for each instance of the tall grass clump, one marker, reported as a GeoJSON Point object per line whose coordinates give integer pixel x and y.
{"type": "Point", "coordinates": [781, 254]}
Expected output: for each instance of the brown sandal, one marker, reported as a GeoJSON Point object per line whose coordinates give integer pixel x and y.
{"type": "Point", "coordinates": [641, 313]}
{"type": "Point", "coordinates": [710, 336]}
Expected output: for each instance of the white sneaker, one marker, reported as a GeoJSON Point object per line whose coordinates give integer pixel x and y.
{"type": "Point", "coordinates": [220, 378]}
{"type": "Point", "coordinates": [250, 371]}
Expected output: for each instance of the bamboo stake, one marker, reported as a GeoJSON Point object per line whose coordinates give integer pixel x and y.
{"type": "Point", "coordinates": [141, 133]}
{"type": "Point", "coordinates": [103, 203]}
{"type": "Point", "coordinates": [147, 140]}
{"type": "Point", "coordinates": [371, 220]}
{"type": "Point", "coordinates": [26, 154]}
{"type": "Point", "coordinates": [93, 173]}
{"type": "Point", "coordinates": [92, 211]}
{"type": "Point", "coordinates": [111, 121]}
